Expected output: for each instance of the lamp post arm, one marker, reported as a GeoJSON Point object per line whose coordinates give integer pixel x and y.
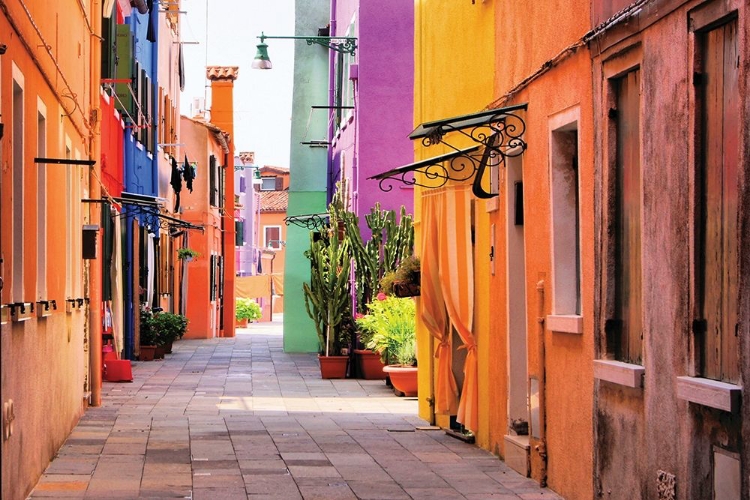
{"type": "Point", "coordinates": [347, 45]}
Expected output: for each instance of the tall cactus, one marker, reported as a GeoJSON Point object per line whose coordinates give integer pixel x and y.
{"type": "Point", "coordinates": [390, 242]}
{"type": "Point", "coordinates": [328, 295]}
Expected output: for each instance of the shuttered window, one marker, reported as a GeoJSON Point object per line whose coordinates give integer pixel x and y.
{"type": "Point", "coordinates": [625, 329]}
{"type": "Point", "coordinates": [717, 231]}
{"type": "Point", "coordinates": [213, 182]}
{"type": "Point", "coordinates": [124, 68]}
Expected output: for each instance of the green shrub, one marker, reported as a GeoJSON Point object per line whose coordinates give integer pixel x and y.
{"type": "Point", "coordinates": [247, 309]}
{"type": "Point", "coordinates": [389, 328]}
{"type": "Point", "coordinates": [168, 327]}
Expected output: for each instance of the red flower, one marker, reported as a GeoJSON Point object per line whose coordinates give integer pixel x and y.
{"type": "Point", "coordinates": [381, 296]}
{"type": "Point", "coordinates": [359, 316]}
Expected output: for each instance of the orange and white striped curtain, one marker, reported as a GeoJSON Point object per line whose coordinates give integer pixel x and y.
{"type": "Point", "coordinates": [446, 218]}
{"type": "Point", "coordinates": [433, 305]}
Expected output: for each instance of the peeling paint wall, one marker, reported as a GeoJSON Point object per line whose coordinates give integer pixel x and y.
{"type": "Point", "coordinates": [642, 433]}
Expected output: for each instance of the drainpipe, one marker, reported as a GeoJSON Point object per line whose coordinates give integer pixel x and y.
{"type": "Point", "coordinates": [331, 102]}
{"type": "Point", "coordinates": [95, 267]}
{"type": "Point", "coordinates": [541, 448]}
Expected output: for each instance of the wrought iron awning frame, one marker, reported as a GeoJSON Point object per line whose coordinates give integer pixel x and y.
{"type": "Point", "coordinates": [498, 133]}
{"type": "Point", "coordinates": [308, 221]}
{"type": "Point", "coordinates": [150, 214]}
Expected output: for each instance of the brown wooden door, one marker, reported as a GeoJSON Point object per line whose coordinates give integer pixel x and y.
{"type": "Point", "coordinates": [719, 198]}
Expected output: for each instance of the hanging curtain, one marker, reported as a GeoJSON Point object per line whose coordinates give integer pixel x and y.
{"type": "Point", "coordinates": [151, 271]}
{"type": "Point", "coordinates": [457, 284]}
{"type": "Point", "coordinates": [433, 305]}
{"type": "Point", "coordinates": [117, 299]}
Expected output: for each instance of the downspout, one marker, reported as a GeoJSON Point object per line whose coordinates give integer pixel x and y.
{"type": "Point", "coordinates": [154, 121]}
{"type": "Point", "coordinates": [331, 102]}
{"type": "Point", "coordinates": [541, 448]}
{"type": "Point", "coordinates": [95, 153]}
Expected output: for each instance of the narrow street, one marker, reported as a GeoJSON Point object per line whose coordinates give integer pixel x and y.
{"type": "Point", "coordinates": [239, 418]}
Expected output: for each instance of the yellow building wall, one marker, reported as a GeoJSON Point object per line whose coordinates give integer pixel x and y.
{"type": "Point", "coordinates": [468, 56]}
{"type": "Point", "coordinates": [454, 71]}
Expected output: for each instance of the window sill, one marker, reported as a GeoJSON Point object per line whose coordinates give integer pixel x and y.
{"type": "Point", "coordinates": [565, 323]}
{"type": "Point", "coordinates": [711, 393]}
{"type": "Point", "coordinates": [617, 372]}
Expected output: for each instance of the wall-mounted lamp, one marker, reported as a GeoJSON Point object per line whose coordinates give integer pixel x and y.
{"type": "Point", "coordinates": [346, 45]}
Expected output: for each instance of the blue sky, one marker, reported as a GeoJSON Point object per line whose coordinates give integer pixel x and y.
{"type": "Point", "coordinates": [262, 99]}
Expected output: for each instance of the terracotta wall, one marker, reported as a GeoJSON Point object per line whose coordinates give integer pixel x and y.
{"type": "Point", "coordinates": [44, 361]}
{"type": "Point", "coordinates": [202, 313]}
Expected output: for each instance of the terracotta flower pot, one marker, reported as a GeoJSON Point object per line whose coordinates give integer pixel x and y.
{"type": "Point", "coordinates": [168, 347]}
{"type": "Point", "coordinates": [333, 366]}
{"type": "Point", "coordinates": [370, 365]}
{"type": "Point", "coordinates": [241, 323]}
{"type": "Point", "coordinates": [403, 378]}
{"type": "Point", "coordinates": [147, 353]}
{"type": "Point", "coordinates": [160, 352]}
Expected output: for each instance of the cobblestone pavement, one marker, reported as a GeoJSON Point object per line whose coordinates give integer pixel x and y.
{"type": "Point", "coordinates": [238, 418]}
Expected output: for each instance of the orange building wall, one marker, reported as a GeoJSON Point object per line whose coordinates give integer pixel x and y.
{"type": "Point", "coordinates": [199, 144]}
{"type": "Point", "coordinates": [44, 361]}
{"type": "Point", "coordinates": [222, 115]}
{"type": "Point", "coordinates": [547, 29]}
{"type": "Point", "coordinates": [274, 219]}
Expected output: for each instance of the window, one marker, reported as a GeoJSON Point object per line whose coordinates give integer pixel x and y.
{"type": "Point", "coordinates": [565, 213]}
{"type": "Point", "coordinates": [272, 237]}
{"type": "Point", "coordinates": [41, 202]}
{"type": "Point", "coordinates": [18, 182]}
{"type": "Point", "coordinates": [717, 232]}
{"type": "Point", "coordinates": [213, 190]}
{"type": "Point", "coordinates": [69, 183]}
{"type": "Point", "coordinates": [344, 90]}
{"type": "Point", "coordinates": [239, 233]}
{"type": "Point", "coordinates": [624, 329]}
{"type": "Point", "coordinates": [268, 183]}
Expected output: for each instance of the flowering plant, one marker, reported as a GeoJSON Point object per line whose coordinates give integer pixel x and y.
{"type": "Point", "coordinates": [389, 327]}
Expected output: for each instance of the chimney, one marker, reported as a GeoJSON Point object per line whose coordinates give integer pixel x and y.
{"type": "Point", "coordinates": [222, 115]}
{"type": "Point", "coordinates": [222, 97]}
{"type": "Point", "coordinates": [247, 157]}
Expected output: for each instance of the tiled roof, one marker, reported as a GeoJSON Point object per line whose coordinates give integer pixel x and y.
{"type": "Point", "coordinates": [268, 169]}
{"type": "Point", "coordinates": [222, 72]}
{"type": "Point", "coordinates": [274, 201]}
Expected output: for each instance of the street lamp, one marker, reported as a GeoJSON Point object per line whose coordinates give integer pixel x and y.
{"type": "Point", "coordinates": [343, 44]}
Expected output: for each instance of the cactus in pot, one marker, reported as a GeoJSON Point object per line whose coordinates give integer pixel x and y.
{"type": "Point", "coordinates": [327, 296]}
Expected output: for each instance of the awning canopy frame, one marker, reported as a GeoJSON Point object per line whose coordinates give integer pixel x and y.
{"type": "Point", "coordinates": [149, 213]}
{"type": "Point", "coordinates": [308, 221]}
{"type": "Point", "coordinates": [497, 132]}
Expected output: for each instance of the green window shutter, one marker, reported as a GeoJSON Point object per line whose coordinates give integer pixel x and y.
{"type": "Point", "coordinates": [109, 47]}
{"type": "Point", "coordinates": [123, 67]}
{"type": "Point", "coordinates": [239, 233]}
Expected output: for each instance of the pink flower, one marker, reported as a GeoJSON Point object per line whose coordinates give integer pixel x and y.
{"type": "Point", "coordinates": [359, 316]}
{"type": "Point", "coordinates": [381, 296]}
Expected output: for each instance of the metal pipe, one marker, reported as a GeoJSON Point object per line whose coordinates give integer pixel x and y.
{"type": "Point", "coordinates": [95, 272]}
{"type": "Point", "coordinates": [541, 448]}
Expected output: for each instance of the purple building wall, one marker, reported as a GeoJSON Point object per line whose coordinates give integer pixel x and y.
{"type": "Point", "coordinates": [375, 137]}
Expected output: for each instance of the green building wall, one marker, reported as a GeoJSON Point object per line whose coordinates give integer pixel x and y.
{"type": "Point", "coordinates": [308, 168]}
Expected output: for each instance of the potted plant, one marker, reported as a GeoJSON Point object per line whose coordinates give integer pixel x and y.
{"type": "Point", "coordinates": [168, 327]}
{"type": "Point", "coordinates": [390, 329]}
{"type": "Point", "coordinates": [328, 300]}
{"type": "Point", "coordinates": [246, 310]}
{"type": "Point", "coordinates": [405, 280]}
{"type": "Point", "coordinates": [148, 338]}
{"type": "Point", "coordinates": [187, 254]}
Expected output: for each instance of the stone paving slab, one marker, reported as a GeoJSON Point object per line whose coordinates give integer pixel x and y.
{"type": "Point", "coordinates": [237, 418]}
